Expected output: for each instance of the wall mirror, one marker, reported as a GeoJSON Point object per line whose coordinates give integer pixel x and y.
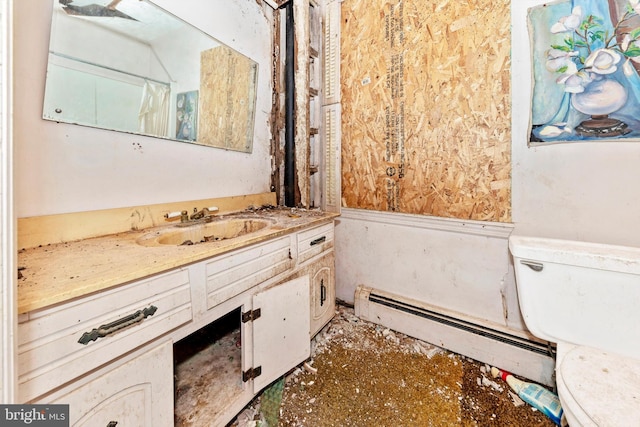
{"type": "Point", "coordinates": [130, 66]}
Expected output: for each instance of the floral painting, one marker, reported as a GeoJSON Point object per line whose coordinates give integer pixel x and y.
{"type": "Point", "coordinates": [586, 65]}
{"type": "Point", "coordinates": [187, 116]}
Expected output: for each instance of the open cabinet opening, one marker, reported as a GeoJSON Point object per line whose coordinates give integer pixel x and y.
{"type": "Point", "coordinates": [208, 370]}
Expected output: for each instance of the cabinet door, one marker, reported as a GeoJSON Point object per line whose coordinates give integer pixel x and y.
{"type": "Point", "coordinates": [323, 292]}
{"type": "Point", "coordinates": [281, 338]}
{"type": "Point", "coordinates": [138, 393]}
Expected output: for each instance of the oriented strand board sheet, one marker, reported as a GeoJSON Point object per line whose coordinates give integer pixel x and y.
{"type": "Point", "coordinates": [426, 107]}
{"type": "Point", "coordinates": [227, 99]}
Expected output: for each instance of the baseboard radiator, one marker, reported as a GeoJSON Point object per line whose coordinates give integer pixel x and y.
{"type": "Point", "coordinates": [522, 356]}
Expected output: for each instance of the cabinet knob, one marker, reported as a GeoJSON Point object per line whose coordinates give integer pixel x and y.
{"type": "Point", "coordinates": [112, 424]}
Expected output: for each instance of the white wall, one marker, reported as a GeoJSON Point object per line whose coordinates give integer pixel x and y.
{"type": "Point", "coordinates": [585, 191]}
{"type": "Point", "coordinates": [67, 168]}
{"type": "Point", "coordinates": [455, 265]}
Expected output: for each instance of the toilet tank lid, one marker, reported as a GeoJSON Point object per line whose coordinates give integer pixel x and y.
{"type": "Point", "coordinates": [572, 252]}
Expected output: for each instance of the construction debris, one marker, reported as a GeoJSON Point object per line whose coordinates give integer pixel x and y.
{"type": "Point", "coordinates": [365, 378]}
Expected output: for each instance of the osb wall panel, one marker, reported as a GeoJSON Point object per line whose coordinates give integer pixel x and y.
{"type": "Point", "coordinates": [426, 107]}
{"type": "Point", "coordinates": [227, 92]}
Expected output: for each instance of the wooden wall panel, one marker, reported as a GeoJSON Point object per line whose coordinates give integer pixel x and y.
{"type": "Point", "coordinates": [426, 107]}
{"type": "Point", "coordinates": [227, 99]}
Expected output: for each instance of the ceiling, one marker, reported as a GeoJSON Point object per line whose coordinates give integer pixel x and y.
{"type": "Point", "coordinates": [149, 22]}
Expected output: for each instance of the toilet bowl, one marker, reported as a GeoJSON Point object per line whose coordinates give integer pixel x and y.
{"type": "Point", "coordinates": [585, 298]}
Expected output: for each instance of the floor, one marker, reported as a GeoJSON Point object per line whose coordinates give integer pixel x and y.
{"type": "Point", "coordinates": [361, 374]}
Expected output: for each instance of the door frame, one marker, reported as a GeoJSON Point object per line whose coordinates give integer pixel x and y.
{"type": "Point", "coordinates": [8, 244]}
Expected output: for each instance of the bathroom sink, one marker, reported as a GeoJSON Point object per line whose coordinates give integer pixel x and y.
{"type": "Point", "coordinates": [217, 230]}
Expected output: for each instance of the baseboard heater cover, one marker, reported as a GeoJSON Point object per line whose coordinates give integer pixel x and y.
{"type": "Point", "coordinates": [531, 359]}
{"type": "Point", "coordinates": [460, 324]}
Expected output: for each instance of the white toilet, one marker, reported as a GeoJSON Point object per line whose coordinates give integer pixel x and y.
{"type": "Point", "coordinates": [585, 297]}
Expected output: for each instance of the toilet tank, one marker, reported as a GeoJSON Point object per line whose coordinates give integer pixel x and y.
{"type": "Point", "coordinates": [580, 293]}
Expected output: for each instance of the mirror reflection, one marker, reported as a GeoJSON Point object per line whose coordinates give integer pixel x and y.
{"type": "Point", "coordinates": [130, 66]}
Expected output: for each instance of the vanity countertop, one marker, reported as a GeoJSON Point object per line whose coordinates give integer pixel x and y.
{"type": "Point", "coordinates": [59, 272]}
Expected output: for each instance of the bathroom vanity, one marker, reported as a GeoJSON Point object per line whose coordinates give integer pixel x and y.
{"type": "Point", "coordinates": [102, 318]}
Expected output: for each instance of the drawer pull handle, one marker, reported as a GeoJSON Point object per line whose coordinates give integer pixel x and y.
{"type": "Point", "coordinates": [318, 241]}
{"type": "Point", "coordinates": [112, 424]}
{"type": "Point", "coordinates": [112, 327]}
{"type": "Point", "coordinates": [323, 292]}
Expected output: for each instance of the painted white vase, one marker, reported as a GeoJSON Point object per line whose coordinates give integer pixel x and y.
{"type": "Point", "coordinates": [600, 98]}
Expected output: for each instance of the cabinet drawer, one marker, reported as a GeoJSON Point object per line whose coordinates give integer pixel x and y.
{"type": "Point", "coordinates": [49, 351]}
{"type": "Point", "coordinates": [234, 273]}
{"type": "Point", "coordinates": [314, 241]}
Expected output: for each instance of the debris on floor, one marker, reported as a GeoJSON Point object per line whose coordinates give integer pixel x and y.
{"type": "Point", "coordinates": [536, 395]}
{"type": "Point", "coordinates": [362, 374]}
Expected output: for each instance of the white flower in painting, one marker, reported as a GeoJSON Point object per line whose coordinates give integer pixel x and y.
{"type": "Point", "coordinates": [635, 5]}
{"type": "Point", "coordinates": [558, 59]}
{"type": "Point", "coordinates": [554, 130]}
{"type": "Point", "coordinates": [574, 82]}
{"type": "Point", "coordinates": [568, 23]}
{"type": "Point", "coordinates": [602, 61]}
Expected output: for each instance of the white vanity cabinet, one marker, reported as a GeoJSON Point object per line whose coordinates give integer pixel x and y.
{"type": "Point", "coordinates": [124, 355]}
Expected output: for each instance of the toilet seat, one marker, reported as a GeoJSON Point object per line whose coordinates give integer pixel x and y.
{"type": "Point", "coordinates": [597, 388]}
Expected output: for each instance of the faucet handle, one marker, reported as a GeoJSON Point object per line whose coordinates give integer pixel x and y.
{"type": "Point", "coordinates": [177, 214]}
{"type": "Point", "coordinates": [203, 213]}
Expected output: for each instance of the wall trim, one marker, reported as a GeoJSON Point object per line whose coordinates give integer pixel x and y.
{"type": "Point", "coordinates": [453, 225]}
